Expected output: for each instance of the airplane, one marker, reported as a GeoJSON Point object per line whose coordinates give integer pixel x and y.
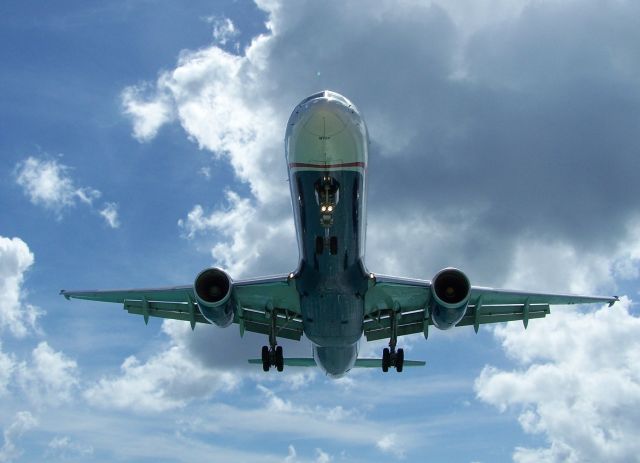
{"type": "Point", "coordinates": [331, 297]}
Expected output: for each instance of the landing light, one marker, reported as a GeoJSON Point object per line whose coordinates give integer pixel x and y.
{"type": "Point", "coordinates": [330, 208]}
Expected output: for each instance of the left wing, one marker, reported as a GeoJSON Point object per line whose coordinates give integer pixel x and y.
{"type": "Point", "coordinates": [257, 300]}
{"type": "Point", "coordinates": [408, 300]}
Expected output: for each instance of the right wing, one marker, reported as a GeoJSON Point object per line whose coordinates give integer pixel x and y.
{"type": "Point", "coordinates": [257, 298]}
{"type": "Point", "coordinates": [408, 300]}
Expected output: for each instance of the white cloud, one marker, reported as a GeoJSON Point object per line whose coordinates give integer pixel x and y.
{"type": "Point", "coordinates": [110, 214]}
{"type": "Point", "coordinates": [15, 315]}
{"type": "Point", "coordinates": [48, 183]}
{"type": "Point", "coordinates": [65, 448]}
{"type": "Point", "coordinates": [578, 384]}
{"type": "Point", "coordinates": [166, 381]}
{"type": "Point", "coordinates": [7, 365]}
{"type": "Point", "coordinates": [292, 455]}
{"type": "Point", "coordinates": [321, 456]}
{"type": "Point", "coordinates": [24, 421]}
{"type": "Point", "coordinates": [50, 379]}
{"type": "Point", "coordinates": [389, 443]}
{"type": "Point", "coordinates": [223, 29]}
{"type": "Point", "coordinates": [147, 114]}
{"type": "Point", "coordinates": [245, 237]}
{"type": "Point", "coordinates": [219, 99]}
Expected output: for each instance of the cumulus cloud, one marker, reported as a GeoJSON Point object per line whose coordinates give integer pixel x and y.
{"type": "Point", "coordinates": [15, 315]}
{"type": "Point", "coordinates": [48, 183]}
{"type": "Point", "coordinates": [147, 114]}
{"type": "Point", "coordinates": [51, 378]}
{"type": "Point", "coordinates": [166, 381]}
{"type": "Point", "coordinates": [433, 136]}
{"type": "Point", "coordinates": [23, 422]}
{"type": "Point", "coordinates": [577, 384]}
{"type": "Point", "coordinates": [245, 238]}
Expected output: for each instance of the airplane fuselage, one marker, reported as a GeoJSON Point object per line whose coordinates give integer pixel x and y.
{"type": "Point", "coordinates": [326, 149]}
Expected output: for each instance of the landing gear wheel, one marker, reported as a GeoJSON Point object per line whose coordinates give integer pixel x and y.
{"type": "Point", "coordinates": [266, 363]}
{"type": "Point", "coordinates": [279, 358]}
{"type": "Point", "coordinates": [399, 360]}
{"type": "Point", "coordinates": [386, 359]}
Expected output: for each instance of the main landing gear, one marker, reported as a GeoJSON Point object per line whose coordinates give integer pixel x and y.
{"type": "Point", "coordinates": [390, 356]}
{"type": "Point", "coordinates": [272, 354]}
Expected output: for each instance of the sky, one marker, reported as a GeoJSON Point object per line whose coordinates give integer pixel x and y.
{"type": "Point", "coordinates": [142, 141]}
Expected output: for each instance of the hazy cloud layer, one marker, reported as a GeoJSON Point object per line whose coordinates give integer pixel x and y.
{"type": "Point", "coordinates": [48, 183]}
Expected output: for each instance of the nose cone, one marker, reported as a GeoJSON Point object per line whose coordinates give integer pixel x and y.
{"type": "Point", "coordinates": [324, 121]}
{"type": "Point", "coordinates": [326, 129]}
{"type": "Point", "coordinates": [335, 361]}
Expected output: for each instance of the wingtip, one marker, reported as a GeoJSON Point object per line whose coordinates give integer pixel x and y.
{"type": "Point", "coordinates": [64, 293]}
{"type": "Point", "coordinates": [614, 300]}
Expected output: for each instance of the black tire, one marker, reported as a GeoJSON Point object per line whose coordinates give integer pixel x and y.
{"type": "Point", "coordinates": [333, 245]}
{"type": "Point", "coordinates": [386, 359]}
{"type": "Point", "coordinates": [399, 360]}
{"type": "Point", "coordinates": [265, 358]}
{"type": "Point", "coordinates": [279, 358]}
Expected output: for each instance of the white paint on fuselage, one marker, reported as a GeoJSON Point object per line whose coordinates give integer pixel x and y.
{"type": "Point", "coordinates": [326, 133]}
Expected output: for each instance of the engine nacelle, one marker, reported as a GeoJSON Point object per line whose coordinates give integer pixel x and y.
{"type": "Point", "coordinates": [450, 290]}
{"type": "Point", "coordinates": [213, 289]}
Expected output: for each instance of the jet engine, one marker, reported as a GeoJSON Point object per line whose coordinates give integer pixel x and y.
{"type": "Point", "coordinates": [213, 289]}
{"type": "Point", "coordinates": [450, 290]}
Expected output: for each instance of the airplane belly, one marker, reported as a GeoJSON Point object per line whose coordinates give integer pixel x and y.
{"type": "Point", "coordinates": [326, 144]}
{"type": "Point", "coordinates": [332, 319]}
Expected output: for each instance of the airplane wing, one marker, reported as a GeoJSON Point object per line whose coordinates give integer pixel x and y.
{"type": "Point", "coordinates": [255, 297]}
{"type": "Point", "coordinates": [406, 299]}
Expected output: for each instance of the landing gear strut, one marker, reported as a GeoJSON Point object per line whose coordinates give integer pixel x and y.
{"type": "Point", "coordinates": [272, 354]}
{"type": "Point", "coordinates": [390, 356]}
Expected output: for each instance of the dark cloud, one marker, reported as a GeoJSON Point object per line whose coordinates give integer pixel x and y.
{"type": "Point", "coordinates": [536, 128]}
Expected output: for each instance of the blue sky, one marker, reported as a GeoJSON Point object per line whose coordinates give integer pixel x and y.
{"type": "Point", "coordinates": [141, 142]}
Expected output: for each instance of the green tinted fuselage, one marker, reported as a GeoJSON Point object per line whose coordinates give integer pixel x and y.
{"type": "Point", "coordinates": [326, 146]}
